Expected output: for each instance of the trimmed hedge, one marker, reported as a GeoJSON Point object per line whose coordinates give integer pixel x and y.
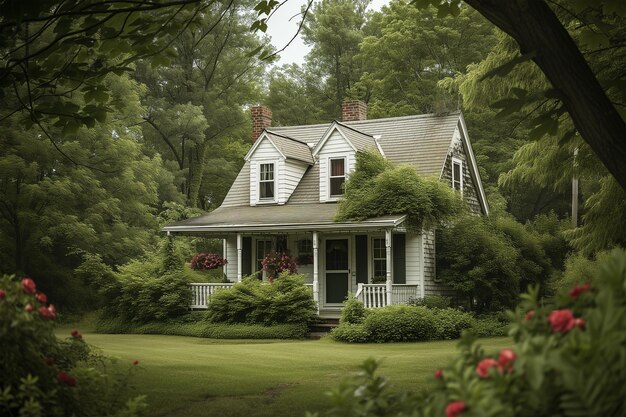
{"type": "Point", "coordinates": [206, 330]}
{"type": "Point", "coordinates": [400, 324]}
{"type": "Point", "coordinates": [450, 323]}
{"type": "Point", "coordinates": [351, 333]}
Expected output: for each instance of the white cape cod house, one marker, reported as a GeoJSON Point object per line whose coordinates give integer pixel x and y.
{"type": "Point", "coordinates": [285, 199]}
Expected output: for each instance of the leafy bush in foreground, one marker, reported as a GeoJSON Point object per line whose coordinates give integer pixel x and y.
{"type": "Point", "coordinates": [43, 376]}
{"type": "Point", "coordinates": [285, 300]}
{"type": "Point", "coordinates": [567, 360]}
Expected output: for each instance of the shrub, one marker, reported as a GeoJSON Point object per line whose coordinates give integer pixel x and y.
{"type": "Point", "coordinates": [206, 330]}
{"type": "Point", "coordinates": [353, 312]}
{"type": "Point", "coordinates": [567, 360]}
{"type": "Point", "coordinates": [351, 333]}
{"type": "Point", "coordinates": [400, 324]}
{"type": "Point", "coordinates": [42, 376]}
{"type": "Point", "coordinates": [490, 326]}
{"type": "Point", "coordinates": [286, 300]}
{"type": "Point", "coordinates": [432, 301]}
{"type": "Point", "coordinates": [450, 323]}
{"type": "Point", "coordinates": [140, 295]}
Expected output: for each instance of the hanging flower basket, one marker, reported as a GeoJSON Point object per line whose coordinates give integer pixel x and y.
{"type": "Point", "coordinates": [276, 262]}
{"type": "Point", "coordinates": [206, 261]}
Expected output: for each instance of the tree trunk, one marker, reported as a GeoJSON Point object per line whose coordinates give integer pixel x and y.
{"type": "Point", "coordinates": [536, 28]}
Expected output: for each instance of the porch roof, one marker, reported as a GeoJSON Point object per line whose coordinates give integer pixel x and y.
{"type": "Point", "coordinates": [271, 218]}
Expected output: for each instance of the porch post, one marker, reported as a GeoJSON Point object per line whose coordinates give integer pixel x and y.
{"type": "Point", "coordinates": [224, 256]}
{"type": "Point", "coordinates": [388, 261]}
{"type": "Point", "coordinates": [316, 278]}
{"type": "Point", "coordinates": [239, 260]}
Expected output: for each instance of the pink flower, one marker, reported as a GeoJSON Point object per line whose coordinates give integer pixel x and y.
{"type": "Point", "coordinates": [506, 359]}
{"type": "Point", "coordinates": [29, 308]}
{"type": "Point", "coordinates": [41, 297]}
{"type": "Point", "coordinates": [580, 323]}
{"type": "Point", "coordinates": [529, 315]}
{"type": "Point", "coordinates": [65, 378]}
{"type": "Point", "coordinates": [2, 294]}
{"type": "Point", "coordinates": [483, 367]}
{"type": "Point", "coordinates": [438, 374]}
{"type": "Point", "coordinates": [28, 285]}
{"type": "Point", "coordinates": [76, 334]}
{"type": "Point", "coordinates": [561, 321]}
{"type": "Point", "coordinates": [455, 408]}
{"type": "Point", "coordinates": [136, 362]}
{"type": "Point", "coordinates": [579, 289]}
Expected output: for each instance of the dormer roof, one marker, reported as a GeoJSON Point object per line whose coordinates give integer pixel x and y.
{"type": "Point", "coordinates": [287, 147]}
{"type": "Point", "coordinates": [358, 141]}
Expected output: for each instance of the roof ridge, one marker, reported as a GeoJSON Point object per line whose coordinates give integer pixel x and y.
{"type": "Point", "coordinates": [353, 129]}
{"type": "Point", "coordinates": [286, 137]}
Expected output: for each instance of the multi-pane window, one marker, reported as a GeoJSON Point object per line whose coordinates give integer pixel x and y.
{"type": "Point", "coordinates": [263, 247]}
{"type": "Point", "coordinates": [337, 176]}
{"type": "Point", "coordinates": [305, 247]}
{"type": "Point", "coordinates": [379, 257]}
{"type": "Point", "coordinates": [457, 174]}
{"type": "Point", "coordinates": [266, 181]}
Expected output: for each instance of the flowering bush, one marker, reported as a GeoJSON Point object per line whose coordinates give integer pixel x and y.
{"type": "Point", "coordinates": [567, 360]}
{"type": "Point", "coordinates": [44, 376]}
{"type": "Point", "coordinates": [276, 262]}
{"type": "Point", "coordinates": [205, 261]}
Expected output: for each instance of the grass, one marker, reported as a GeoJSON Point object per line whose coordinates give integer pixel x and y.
{"type": "Point", "coordinates": [185, 376]}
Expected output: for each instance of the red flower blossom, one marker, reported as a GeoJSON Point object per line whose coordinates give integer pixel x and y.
{"type": "Point", "coordinates": [48, 313]}
{"type": "Point", "coordinates": [580, 323]}
{"type": "Point", "coordinates": [28, 285]}
{"type": "Point", "coordinates": [29, 308]}
{"type": "Point", "coordinates": [136, 362]}
{"type": "Point", "coordinates": [2, 294]}
{"type": "Point", "coordinates": [561, 321]}
{"type": "Point", "coordinates": [41, 297]}
{"type": "Point", "coordinates": [506, 359]}
{"type": "Point", "coordinates": [67, 379]}
{"type": "Point", "coordinates": [529, 315]}
{"type": "Point", "coordinates": [455, 408]}
{"type": "Point", "coordinates": [439, 374]}
{"type": "Point", "coordinates": [76, 334]}
{"type": "Point", "coordinates": [483, 367]}
{"type": "Point", "coordinates": [579, 289]}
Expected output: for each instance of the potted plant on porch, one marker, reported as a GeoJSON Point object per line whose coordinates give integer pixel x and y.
{"type": "Point", "coordinates": [276, 262]}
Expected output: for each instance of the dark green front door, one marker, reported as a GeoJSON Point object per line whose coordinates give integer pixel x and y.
{"type": "Point", "coordinates": [337, 270]}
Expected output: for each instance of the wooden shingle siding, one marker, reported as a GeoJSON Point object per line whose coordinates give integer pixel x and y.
{"type": "Point", "coordinates": [239, 193]}
{"type": "Point", "coordinates": [470, 192]}
{"type": "Point", "coordinates": [431, 285]}
{"type": "Point", "coordinates": [336, 146]}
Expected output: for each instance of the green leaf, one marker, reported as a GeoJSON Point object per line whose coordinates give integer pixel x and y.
{"type": "Point", "coordinates": [504, 69]}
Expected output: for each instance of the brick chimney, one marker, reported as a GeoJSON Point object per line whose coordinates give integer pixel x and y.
{"type": "Point", "coordinates": [261, 119]}
{"type": "Point", "coordinates": [352, 110]}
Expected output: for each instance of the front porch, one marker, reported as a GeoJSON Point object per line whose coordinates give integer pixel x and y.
{"type": "Point", "coordinates": [371, 295]}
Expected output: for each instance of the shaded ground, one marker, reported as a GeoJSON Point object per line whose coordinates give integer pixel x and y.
{"type": "Point", "coordinates": [185, 376]}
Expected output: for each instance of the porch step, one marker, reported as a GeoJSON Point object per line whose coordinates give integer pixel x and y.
{"type": "Point", "coordinates": [316, 335]}
{"type": "Point", "coordinates": [322, 327]}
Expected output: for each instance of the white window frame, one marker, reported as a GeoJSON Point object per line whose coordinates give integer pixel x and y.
{"type": "Point", "coordinates": [332, 197]}
{"type": "Point", "coordinates": [259, 181]}
{"type": "Point", "coordinates": [374, 258]}
{"type": "Point", "coordinates": [459, 162]}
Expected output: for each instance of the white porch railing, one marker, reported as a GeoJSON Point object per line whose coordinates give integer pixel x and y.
{"type": "Point", "coordinates": [201, 292]}
{"type": "Point", "coordinates": [375, 295]}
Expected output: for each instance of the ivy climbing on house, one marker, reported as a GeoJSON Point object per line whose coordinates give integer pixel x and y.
{"type": "Point", "coordinates": [378, 188]}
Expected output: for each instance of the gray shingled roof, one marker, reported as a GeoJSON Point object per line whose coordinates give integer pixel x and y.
{"type": "Point", "coordinates": [291, 148]}
{"type": "Point", "coordinates": [283, 218]}
{"type": "Point", "coordinates": [360, 140]}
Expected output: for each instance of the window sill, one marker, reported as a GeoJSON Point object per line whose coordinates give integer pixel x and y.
{"type": "Point", "coordinates": [267, 202]}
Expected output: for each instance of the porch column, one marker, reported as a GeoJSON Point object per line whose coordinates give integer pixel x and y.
{"type": "Point", "coordinates": [224, 256]}
{"type": "Point", "coordinates": [239, 252]}
{"type": "Point", "coordinates": [316, 278]}
{"type": "Point", "coordinates": [389, 280]}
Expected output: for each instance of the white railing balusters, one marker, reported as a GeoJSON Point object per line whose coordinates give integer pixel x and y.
{"type": "Point", "coordinates": [201, 292]}
{"type": "Point", "coordinates": [375, 295]}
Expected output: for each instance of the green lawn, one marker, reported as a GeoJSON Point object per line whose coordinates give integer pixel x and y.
{"type": "Point", "coordinates": [185, 376]}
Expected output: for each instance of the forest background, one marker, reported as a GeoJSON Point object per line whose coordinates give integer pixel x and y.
{"type": "Point", "coordinates": [112, 134]}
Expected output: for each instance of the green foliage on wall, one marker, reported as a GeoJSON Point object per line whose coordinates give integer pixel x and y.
{"type": "Point", "coordinates": [376, 188]}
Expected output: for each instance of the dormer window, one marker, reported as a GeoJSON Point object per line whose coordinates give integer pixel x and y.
{"type": "Point", "coordinates": [266, 182]}
{"type": "Point", "coordinates": [337, 176]}
{"type": "Point", "coordinates": [457, 174]}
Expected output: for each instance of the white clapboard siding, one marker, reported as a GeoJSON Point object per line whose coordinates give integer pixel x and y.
{"type": "Point", "coordinates": [265, 153]}
{"type": "Point", "coordinates": [336, 146]}
{"type": "Point", "coordinates": [289, 178]}
{"type": "Point", "coordinates": [413, 273]}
